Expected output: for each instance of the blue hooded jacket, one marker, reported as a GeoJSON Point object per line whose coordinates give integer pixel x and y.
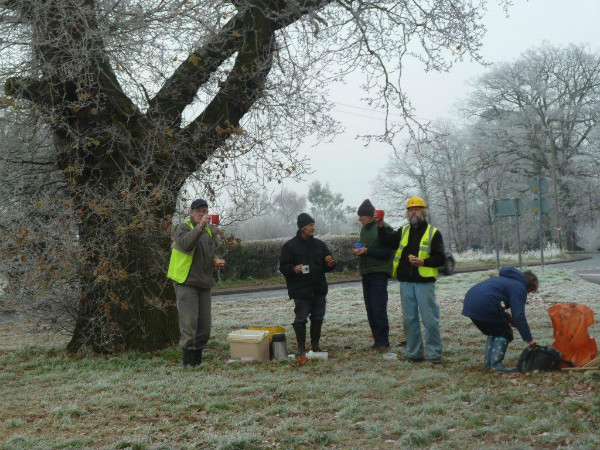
{"type": "Point", "coordinates": [483, 301]}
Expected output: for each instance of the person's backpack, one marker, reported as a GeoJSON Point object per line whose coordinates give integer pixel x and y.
{"type": "Point", "coordinates": [540, 357]}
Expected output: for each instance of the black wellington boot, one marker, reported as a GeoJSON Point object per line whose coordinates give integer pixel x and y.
{"type": "Point", "coordinates": [300, 329]}
{"type": "Point", "coordinates": [196, 358]}
{"type": "Point", "coordinates": [187, 357]}
{"type": "Point", "coordinates": [315, 334]}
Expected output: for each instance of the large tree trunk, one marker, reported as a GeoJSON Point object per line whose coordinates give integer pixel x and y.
{"type": "Point", "coordinates": [126, 300]}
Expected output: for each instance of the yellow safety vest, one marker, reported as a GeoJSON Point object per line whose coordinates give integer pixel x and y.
{"type": "Point", "coordinates": [424, 251]}
{"type": "Point", "coordinates": [181, 261]}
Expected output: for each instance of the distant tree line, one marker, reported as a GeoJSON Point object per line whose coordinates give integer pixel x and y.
{"type": "Point", "coordinates": [535, 116]}
{"type": "Point", "coordinates": [279, 211]}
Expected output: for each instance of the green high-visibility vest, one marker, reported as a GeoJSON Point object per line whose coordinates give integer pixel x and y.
{"type": "Point", "coordinates": [181, 261]}
{"type": "Point", "coordinates": [424, 251]}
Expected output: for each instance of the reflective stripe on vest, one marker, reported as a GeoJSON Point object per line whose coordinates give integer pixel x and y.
{"type": "Point", "coordinates": [181, 261]}
{"type": "Point", "coordinates": [424, 251]}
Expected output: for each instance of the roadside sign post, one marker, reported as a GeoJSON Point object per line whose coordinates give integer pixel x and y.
{"type": "Point", "coordinates": [507, 207]}
{"type": "Point", "coordinates": [539, 205]}
{"type": "Point", "coordinates": [518, 209]}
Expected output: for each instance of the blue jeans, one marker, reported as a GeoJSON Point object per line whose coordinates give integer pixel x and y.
{"type": "Point", "coordinates": [376, 299]}
{"type": "Point", "coordinates": [419, 299]}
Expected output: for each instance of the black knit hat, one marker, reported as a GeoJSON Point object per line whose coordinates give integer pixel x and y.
{"type": "Point", "coordinates": [366, 208]}
{"type": "Point", "coordinates": [198, 203]}
{"type": "Point", "coordinates": [303, 220]}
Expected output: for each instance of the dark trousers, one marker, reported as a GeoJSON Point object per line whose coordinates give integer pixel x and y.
{"type": "Point", "coordinates": [313, 307]}
{"type": "Point", "coordinates": [496, 329]}
{"type": "Point", "coordinates": [376, 299]}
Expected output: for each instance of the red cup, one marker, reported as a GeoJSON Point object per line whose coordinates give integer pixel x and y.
{"type": "Point", "coordinates": [215, 219]}
{"type": "Point", "coordinates": [379, 213]}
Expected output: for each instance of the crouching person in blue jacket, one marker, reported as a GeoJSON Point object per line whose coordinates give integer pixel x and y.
{"type": "Point", "coordinates": [486, 304]}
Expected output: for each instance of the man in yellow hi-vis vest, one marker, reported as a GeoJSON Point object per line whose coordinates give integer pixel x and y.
{"type": "Point", "coordinates": [191, 268]}
{"type": "Point", "coordinates": [420, 252]}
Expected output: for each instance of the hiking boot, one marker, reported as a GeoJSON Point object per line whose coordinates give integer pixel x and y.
{"type": "Point", "coordinates": [435, 361]}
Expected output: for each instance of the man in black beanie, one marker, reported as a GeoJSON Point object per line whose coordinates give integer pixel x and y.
{"type": "Point", "coordinates": [375, 266]}
{"type": "Point", "coordinates": [304, 262]}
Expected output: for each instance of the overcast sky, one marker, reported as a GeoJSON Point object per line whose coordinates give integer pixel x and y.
{"type": "Point", "coordinates": [349, 167]}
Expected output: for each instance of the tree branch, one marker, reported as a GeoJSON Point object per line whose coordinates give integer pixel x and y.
{"type": "Point", "coordinates": [181, 88]}
{"type": "Point", "coordinates": [243, 87]}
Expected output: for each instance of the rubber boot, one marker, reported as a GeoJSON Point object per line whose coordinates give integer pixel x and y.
{"type": "Point", "coordinates": [489, 344]}
{"type": "Point", "coordinates": [497, 356]}
{"type": "Point", "coordinates": [187, 357]}
{"type": "Point", "coordinates": [300, 329]}
{"type": "Point", "coordinates": [196, 358]}
{"type": "Point", "coordinates": [315, 334]}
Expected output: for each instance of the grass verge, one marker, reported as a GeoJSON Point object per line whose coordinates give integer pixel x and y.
{"type": "Point", "coordinates": [356, 400]}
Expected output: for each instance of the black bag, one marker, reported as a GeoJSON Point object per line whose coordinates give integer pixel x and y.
{"type": "Point", "coordinates": [540, 357]}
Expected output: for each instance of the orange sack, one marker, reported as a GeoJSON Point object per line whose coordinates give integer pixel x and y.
{"type": "Point", "coordinates": [570, 322]}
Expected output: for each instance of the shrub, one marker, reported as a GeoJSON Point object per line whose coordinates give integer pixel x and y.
{"type": "Point", "coordinates": [260, 259]}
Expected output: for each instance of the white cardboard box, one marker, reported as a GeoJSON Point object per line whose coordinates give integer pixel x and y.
{"type": "Point", "coordinates": [249, 344]}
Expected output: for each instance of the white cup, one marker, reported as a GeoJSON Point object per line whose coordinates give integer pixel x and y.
{"type": "Point", "coordinates": [306, 269]}
{"type": "Point", "coordinates": [317, 355]}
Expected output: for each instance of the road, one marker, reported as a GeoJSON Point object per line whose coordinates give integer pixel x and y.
{"type": "Point", "coordinates": [588, 269]}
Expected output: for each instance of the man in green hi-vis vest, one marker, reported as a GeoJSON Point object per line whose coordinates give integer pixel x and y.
{"type": "Point", "coordinates": [191, 268]}
{"type": "Point", "coordinates": [420, 252]}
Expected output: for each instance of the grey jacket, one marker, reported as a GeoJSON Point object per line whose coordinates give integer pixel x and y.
{"type": "Point", "coordinates": [201, 272]}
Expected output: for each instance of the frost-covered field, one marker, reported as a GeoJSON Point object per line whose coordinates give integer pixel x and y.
{"type": "Point", "coordinates": [356, 400]}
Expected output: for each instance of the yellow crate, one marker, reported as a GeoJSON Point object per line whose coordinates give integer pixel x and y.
{"type": "Point", "coordinates": [271, 330]}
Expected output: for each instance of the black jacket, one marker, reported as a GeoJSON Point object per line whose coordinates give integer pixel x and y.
{"type": "Point", "coordinates": [406, 271]}
{"type": "Point", "coordinates": [311, 252]}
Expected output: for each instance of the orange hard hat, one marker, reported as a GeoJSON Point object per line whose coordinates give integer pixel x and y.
{"type": "Point", "coordinates": [415, 202]}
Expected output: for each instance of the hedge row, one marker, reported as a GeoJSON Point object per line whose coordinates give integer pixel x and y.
{"type": "Point", "coordinates": [260, 259]}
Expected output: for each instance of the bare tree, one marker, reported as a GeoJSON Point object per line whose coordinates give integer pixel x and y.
{"type": "Point", "coordinates": [550, 98]}
{"type": "Point", "coordinates": [140, 96]}
{"type": "Point", "coordinates": [276, 217]}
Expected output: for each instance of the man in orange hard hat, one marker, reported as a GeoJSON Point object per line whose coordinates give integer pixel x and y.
{"type": "Point", "coordinates": [420, 253]}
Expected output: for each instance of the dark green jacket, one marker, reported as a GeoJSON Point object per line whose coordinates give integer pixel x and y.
{"type": "Point", "coordinates": [378, 258]}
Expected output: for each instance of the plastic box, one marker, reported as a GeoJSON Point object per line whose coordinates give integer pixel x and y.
{"type": "Point", "coordinates": [249, 344]}
{"type": "Point", "coordinates": [271, 330]}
